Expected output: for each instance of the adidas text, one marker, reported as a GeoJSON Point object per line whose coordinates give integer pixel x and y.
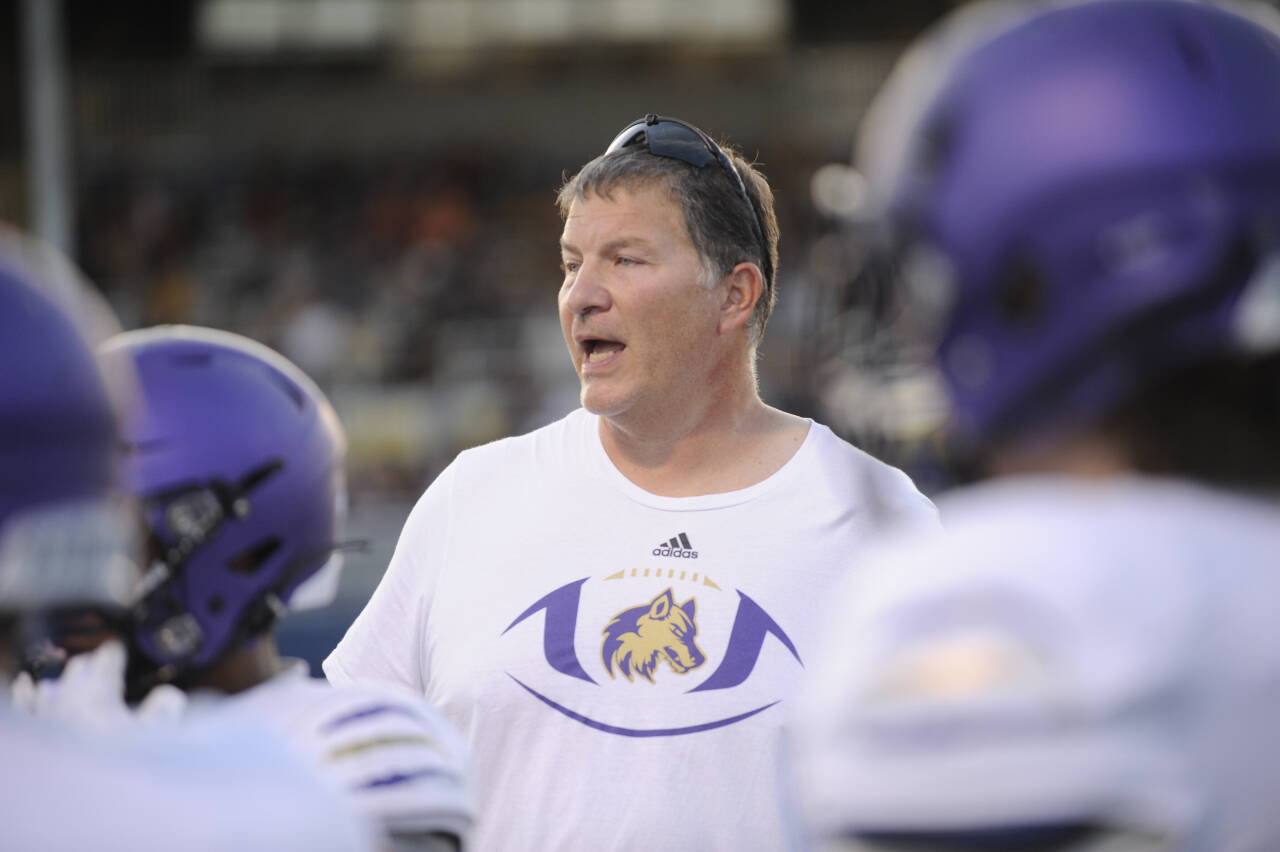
{"type": "Point", "coordinates": [677, 552]}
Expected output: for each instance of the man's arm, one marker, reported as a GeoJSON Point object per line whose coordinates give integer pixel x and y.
{"type": "Point", "coordinates": [384, 643]}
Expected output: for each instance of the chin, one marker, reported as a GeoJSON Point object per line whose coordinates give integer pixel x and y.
{"type": "Point", "coordinates": [603, 403]}
{"type": "Point", "coordinates": [599, 407]}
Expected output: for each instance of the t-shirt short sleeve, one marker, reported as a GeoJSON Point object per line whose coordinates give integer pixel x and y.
{"type": "Point", "coordinates": [384, 643]}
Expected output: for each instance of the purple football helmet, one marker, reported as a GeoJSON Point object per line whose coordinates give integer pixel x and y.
{"type": "Point", "coordinates": [64, 540]}
{"type": "Point", "coordinates": [237, 459]}
{"type": "Point", "coordinates": [57, 422]}
{"type": "Point", "coordinates": [1095, 188]}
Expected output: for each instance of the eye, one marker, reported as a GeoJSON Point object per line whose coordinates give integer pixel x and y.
{"type": "Point", "coordinates": [569, 266]}
{"type": "Point", "coordinates": [627, 261]}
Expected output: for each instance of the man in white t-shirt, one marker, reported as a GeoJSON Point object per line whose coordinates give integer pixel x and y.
{"type": "Point", "coordinates": [66, 542]}
{"type": "Point", "coordinates": [1087, 659]}
{"type": "Point", "coordinates": [616, 608]}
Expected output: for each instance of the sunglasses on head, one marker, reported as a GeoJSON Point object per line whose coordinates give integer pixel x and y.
{"type": "Point", "coordinates": [679, 140]}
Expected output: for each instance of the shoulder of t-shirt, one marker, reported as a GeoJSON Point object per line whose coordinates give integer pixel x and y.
{"type": "Point", "coordinates": [1051, 536]}
{"type": "Point", "coordinates": [1099, 565]}
{"type": "Point", "coordinates": [870, 479]}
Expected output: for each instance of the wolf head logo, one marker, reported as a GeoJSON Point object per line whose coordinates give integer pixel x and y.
{"type": "Point", "coordinates": [637, 639]}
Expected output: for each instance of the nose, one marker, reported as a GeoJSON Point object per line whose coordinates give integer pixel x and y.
{"type": "Point", "coordinates": [584, 292]}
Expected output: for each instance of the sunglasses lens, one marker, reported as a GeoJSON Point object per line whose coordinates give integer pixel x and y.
{"type": "Point", "coordinates": [629, 136]}
{"type": "Point", "coordinates": [666, 139]}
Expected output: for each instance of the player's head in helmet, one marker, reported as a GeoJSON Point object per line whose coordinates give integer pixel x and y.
{"type": "Point", "coordinates": [66, 543]}
{"type": "Point", "coordinates": [237, 460]}
{"type": "Point", "coordinates": [1091, 191]}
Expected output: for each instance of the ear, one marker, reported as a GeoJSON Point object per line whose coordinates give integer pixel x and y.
{"type": "Point", "coordinates": [661, 605]}
{"type": "Point", "coordinates": [743, 286]}
{"type": "Point", "coordinates": [688, 607]}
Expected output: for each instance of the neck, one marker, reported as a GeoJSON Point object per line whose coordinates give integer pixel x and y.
{"type": "Point", "coordinates": [243, 669]}
{"type": "Point", "coordinates": [1087, 455]}
{"type": "Point", "coordinates": [724, 441]}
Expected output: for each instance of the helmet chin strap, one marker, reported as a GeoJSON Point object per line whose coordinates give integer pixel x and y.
{"type": "Point", "coordinates": [144, 673]}
{"type": "Point", "coordinates": [193, 515]}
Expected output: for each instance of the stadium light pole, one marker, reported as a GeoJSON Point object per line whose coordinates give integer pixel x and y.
{"type": "Point", "coordinates": [50, 204]}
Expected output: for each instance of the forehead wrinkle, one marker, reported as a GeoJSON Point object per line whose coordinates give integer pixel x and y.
{"type": "Point", "coordinates": [625, 242]}
{"type": "Point", "coordinates": [613, 245]}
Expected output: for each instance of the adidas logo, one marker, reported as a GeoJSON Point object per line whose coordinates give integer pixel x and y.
{"type": "Point", "coordinates": [677, 547]}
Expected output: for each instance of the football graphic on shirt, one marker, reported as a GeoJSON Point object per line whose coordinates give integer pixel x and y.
{"type": "Point", "coordinates": [654, 663]}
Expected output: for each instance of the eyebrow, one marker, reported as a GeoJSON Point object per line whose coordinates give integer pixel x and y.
{"type": "Point", "coordinates": [613, 245]}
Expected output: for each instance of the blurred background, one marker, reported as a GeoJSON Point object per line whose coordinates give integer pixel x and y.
{"type": "Point", "coordinates": [368, 186]}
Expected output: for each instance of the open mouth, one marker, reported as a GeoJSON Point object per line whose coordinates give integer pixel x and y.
{"type": "Point", "coordinates": [596, 350]}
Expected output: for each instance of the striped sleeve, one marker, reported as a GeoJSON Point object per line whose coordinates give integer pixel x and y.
{"type": "Point", "coordinates": [403, 763]}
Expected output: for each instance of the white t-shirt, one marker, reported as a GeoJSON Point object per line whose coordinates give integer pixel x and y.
{"type": "Point", "coordinates": [618, 660]}
{"type": "Point", "coordinates": [198, 788]}
{"type": "Point", "coordinates": [1069, 650]}
{"type": "Point", "coordinates": [403, 765]}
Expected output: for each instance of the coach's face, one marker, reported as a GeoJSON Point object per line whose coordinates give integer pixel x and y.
{"type": "Point", "coordinates": [640, 324]}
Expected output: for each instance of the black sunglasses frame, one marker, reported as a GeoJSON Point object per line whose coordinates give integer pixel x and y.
{"type": "Point", "coordinates": [680, 140]}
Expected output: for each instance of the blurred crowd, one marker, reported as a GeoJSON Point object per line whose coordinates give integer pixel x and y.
{"type": "Point", "coordinates": [435, 274]}
{"type": "Point", "coordinates": [419, 292]}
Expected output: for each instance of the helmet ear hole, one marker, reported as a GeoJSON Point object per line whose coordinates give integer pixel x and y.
{"type": "Point", "coordinates": [1022, 293]}
{"type": "Point", "coordinates": [937, 142]}
{"type": "Point", "coordinates": [248, 561]}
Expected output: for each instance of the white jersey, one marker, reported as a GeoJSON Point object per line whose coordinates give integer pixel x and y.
{"type": "Point", "coordinates": [402, 764]}
{"type": "Point", "coordinates": [1102, 652]}
{"type": "Point", "coordinates": [200, 788]}
{"type": "Point", "coordinates": [618, 661]}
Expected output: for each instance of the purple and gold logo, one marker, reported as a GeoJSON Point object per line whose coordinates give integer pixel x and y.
{"type": "Point", "coordinates": [637, 639]}
{"type": "Point", "coordinates": [648, 638]}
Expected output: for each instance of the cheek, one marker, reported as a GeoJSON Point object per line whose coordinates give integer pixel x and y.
{"type": "Point", "coordinates": [688, 327]}
{"type": "Point", "coordinates": [566, 324]}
